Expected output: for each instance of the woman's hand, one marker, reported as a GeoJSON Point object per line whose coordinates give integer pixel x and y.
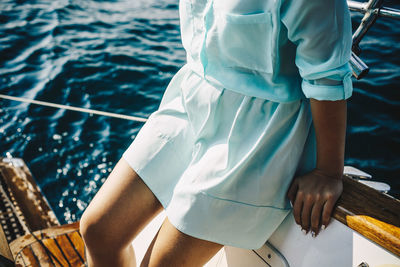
{"type": "Point", "coordinates": [313, 197]}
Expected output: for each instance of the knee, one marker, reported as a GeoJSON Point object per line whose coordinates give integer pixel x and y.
{"type": "Point", "coordinates": [92, 230]}
{"type": "Point", "coordinates": [87, 227]}
{"type": "Point", "coordinates": [99, 231]}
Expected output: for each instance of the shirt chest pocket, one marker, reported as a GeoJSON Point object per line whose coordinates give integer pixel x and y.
{"type": "Point", "coordinates": [242, 42]}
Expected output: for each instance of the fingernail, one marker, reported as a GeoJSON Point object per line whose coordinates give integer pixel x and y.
{"type": "Point", "coordinates": [291, 204]}
{"type": "Point", "coordinates": [323, 227]}
{"type": "Point", "coordinates": [312, 233]}
{"type": "Point", "coordinates": [304, 231]}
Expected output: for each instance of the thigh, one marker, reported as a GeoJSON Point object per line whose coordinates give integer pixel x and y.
{"type": "Point", "coordinates": [122, 207]}
{"type": "Point", "coordinates": [170, 247]}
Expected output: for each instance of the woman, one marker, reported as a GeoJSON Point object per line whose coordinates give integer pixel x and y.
{"type": "Point", "coordinates": [255, 118]}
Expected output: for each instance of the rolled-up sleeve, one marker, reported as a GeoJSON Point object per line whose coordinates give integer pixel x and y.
{"type": "Point", "coordinates": [321, 31]}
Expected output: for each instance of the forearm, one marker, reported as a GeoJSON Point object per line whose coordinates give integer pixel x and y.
{"type": "Point", "coordinates": [329, 118]}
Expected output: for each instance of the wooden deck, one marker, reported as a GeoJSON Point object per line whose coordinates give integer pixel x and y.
{"type": "Point", "coordinates": [29, 225]}
{"type": "Point", "coordinates": [55, 246]}
{"type": "Point", "coordinates": [23, 207]}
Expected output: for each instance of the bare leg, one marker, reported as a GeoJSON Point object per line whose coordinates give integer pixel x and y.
{"type": "Point", "coordinates": [170, 247]}
{"type": "Point", "coordinates": [119, 211]}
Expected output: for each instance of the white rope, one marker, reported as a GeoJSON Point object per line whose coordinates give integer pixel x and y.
{"type": "Point", "coordinates": [84, 110]}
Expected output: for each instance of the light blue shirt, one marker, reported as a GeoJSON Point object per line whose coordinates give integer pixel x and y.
{"type": "Point", "coordinates": [281, 50]}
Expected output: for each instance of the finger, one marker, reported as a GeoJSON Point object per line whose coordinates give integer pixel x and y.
{"type": "Point", "coordinates": [327, 212]}
{"type": "Point", "coordinates": [306, 212]}
{"type": "Point", "coordinates": [316, 215]}
{"type": "Point", "coordinates": [291, 194]}
{"type": "Point", "coordinates": [297, 207]}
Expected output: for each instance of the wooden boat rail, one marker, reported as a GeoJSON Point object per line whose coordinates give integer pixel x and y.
{"type": "Point", "coordinates": [373, 214]}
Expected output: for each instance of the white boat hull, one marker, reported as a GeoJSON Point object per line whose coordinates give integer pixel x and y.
{"type": "Point", "coordinates": [335, 246]}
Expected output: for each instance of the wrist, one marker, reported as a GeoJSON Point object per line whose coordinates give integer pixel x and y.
{"type": "Point", "coordinates": [331, 166]}
{"type": "Point", "coordinates": [334, 174]}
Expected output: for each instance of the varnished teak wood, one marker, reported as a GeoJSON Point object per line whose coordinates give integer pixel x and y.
{"type": "Point", "coordinates": [374, 215]}
{"type": "Point", "coordinates": [29, 198]}
{"type": "Point", "coordinates": [6, 257]}
{"type": "Point", "coordinates": [59, 246]}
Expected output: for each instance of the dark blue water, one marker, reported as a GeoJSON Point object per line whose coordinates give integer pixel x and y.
{"type": "Point", "coordinates": [119, 56]}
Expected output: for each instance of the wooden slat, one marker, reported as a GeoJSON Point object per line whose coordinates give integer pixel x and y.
{"type": "Point", "coordinates": [64, 243]}
{"type": "Point", "coordinates": [54, 249]}
{"type": "Point", "coordinates": [29, 258]}
{"type": "Point", "coordinates": [68, 260]}
{"type": "Point", "coordinates": [20, 243]}
{"type": "Point", "coordinates": [78, 243]}
{"type": "Point", "coordinates": [42, 254]}
{"type": "Point", "coordinates": [26, 240]}
{"type": "Point", "coordinates": [61, 229]}
{"type": "Point", "coordinates": [382, 211]}
{"type": "Point", "coordinates": [60, 247]}
{"type": "Point", "coordinates": [69, 251]}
